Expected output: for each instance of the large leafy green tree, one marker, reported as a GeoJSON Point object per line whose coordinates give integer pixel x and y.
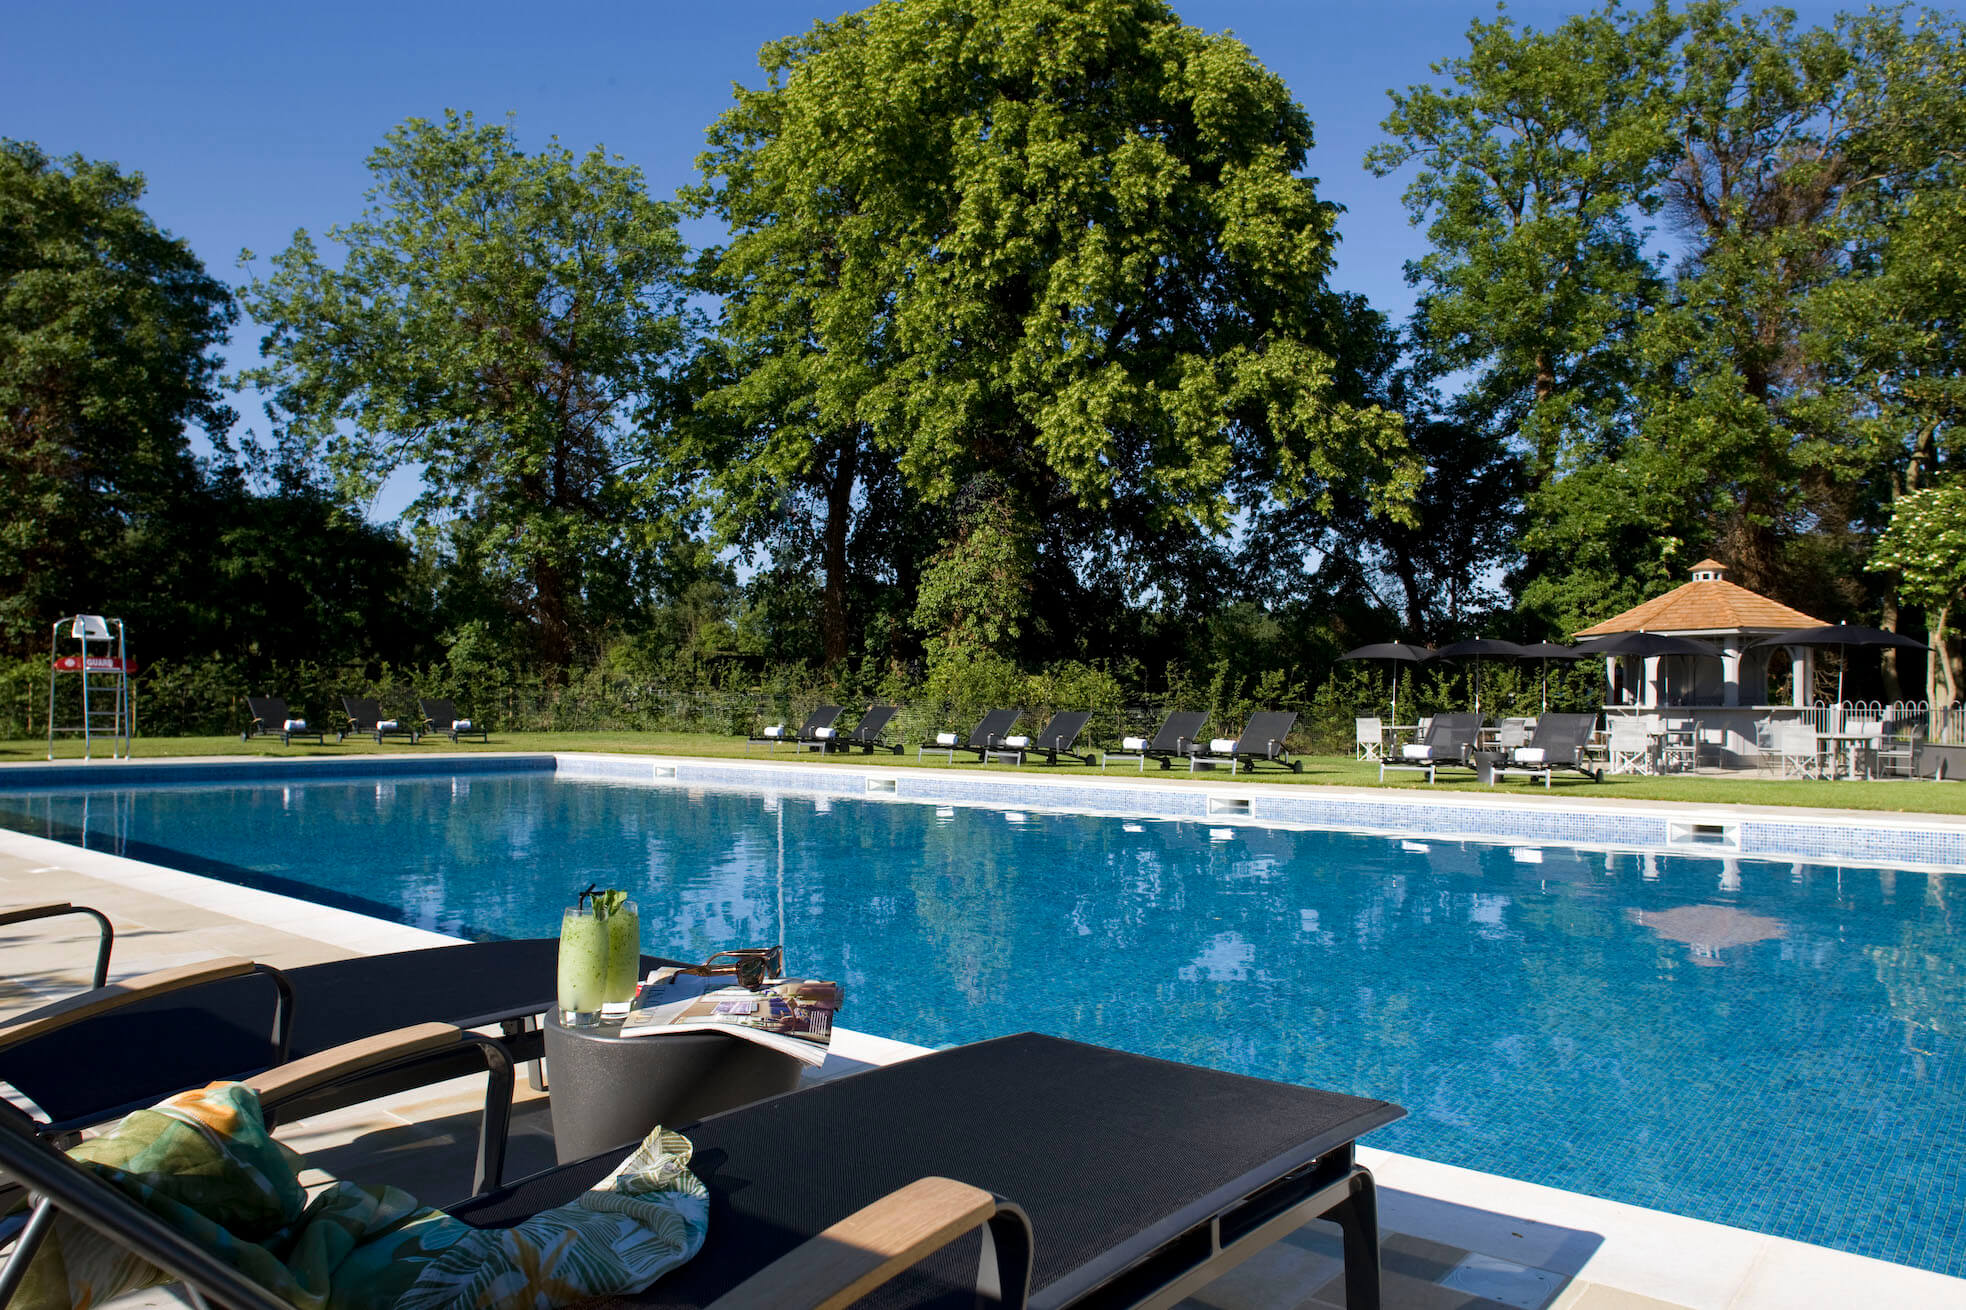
{"type": "Point", "coordinates": [108, 333]}
{"type": "Point", "coordinates": [1064, 244]}
{"type": "Point", "coordinates": [508, 323]}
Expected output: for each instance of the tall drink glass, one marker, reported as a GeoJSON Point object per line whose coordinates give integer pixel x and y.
{"type": "Point", "coordinates": [624, 929]}
{"type": "Point", "coordinates": [583, 966]}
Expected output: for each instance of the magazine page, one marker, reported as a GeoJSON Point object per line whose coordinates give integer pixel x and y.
{"type": "Point", "coordinates": [790, 1015]}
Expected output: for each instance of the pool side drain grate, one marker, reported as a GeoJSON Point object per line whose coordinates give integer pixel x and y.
{"type": "Point", "coordinates": [1231, 805]}
{"type": "Point", "coordinates": [885, 785]}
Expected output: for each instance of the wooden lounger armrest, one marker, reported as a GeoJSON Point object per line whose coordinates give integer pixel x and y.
{"type": "Point", "coordinates": [872, 1245]}
{"type": "Point", "coordinates": [311, 1073]}
{"type": "Point", "coordinates": [102, 1000]}
{"type": "Point", "coordinates": [297, 1080]}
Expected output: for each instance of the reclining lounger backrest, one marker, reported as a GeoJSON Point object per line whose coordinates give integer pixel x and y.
{"type": "Point", "coordinates": [1062, 731]}
{"type": "Point", "coordinates": [1182, 730]}
{"type": "Point", "coordinates": [995, 724]}
{"type": "Point", "coordinates": [1264, 734]}
{"type": "Point", "coordinates": [872, 723]}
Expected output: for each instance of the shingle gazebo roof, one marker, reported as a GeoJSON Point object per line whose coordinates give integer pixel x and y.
{"type": "Point", "coordinates": [1707, 604]}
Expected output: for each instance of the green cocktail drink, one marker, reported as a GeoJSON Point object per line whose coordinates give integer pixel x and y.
{"type": "Point", "coordinates": [583, 966]}
{"type": "Point", "coordinates": [624, 929]}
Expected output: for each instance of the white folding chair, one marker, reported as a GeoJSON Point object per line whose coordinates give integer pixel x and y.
{"type": "Point", "coordinates": [1370, 737]}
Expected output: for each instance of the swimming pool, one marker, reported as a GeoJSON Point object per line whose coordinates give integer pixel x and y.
{"type": "Point", "coordinates": [1776, 1046]}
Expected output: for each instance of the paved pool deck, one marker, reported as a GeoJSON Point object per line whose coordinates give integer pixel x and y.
{"type": "Point", "coordinates": [1452, 1237]}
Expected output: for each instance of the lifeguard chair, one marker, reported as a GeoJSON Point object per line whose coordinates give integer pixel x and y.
{"type": "Point", "coordinates": [105, 703]}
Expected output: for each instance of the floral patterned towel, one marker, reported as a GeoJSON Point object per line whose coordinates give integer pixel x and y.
{"type": "Point", "coordinates": [204, 1163]}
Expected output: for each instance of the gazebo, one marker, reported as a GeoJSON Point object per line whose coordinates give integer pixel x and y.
{"type": "Point", "coordinates": [1729, 616]}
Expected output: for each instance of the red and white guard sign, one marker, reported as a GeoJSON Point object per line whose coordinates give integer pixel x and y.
{"type": "Point", "coordinates": [94, 664]}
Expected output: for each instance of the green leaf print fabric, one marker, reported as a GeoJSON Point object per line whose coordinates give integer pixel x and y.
{"type": "Point", "coordinates": [204, 1163]}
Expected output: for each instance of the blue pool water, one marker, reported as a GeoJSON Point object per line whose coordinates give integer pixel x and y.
{"type": "Point", "coordinates": [1774, 1046]}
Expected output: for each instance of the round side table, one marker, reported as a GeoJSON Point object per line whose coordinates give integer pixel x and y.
{"type": "Point", "coordinates": [608, 1090]}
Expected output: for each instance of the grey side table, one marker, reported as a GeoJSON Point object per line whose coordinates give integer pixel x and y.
{"type": "Point", "coordinates": [608, 1090]}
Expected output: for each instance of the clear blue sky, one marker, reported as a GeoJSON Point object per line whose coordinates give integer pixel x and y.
{"type": "Point", "coordinates": [249, 121]}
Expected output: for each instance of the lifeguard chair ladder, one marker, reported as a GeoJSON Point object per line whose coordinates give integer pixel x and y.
{"type": "Point", "coordinates": [108, 704]}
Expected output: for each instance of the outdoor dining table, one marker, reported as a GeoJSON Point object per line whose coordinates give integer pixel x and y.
{"type": "Point", "coordinates": [1856, 750]}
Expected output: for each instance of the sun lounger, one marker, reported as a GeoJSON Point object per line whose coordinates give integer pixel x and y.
{"type": "Point", "coordinates": [817, 730]}
{"type": "Point", "coordinates": [1262, 742]}
{"type": "Point", "coordinates": [196, 1027]}
{"type": "Point", "coordinates": [1176, 740]}
{"type": "Point", "coordinates": [441, 716]}
{"type": "Point", "coordinates": [867, 733]}
{"type": "Point", "coordinates": [1448, 740]}
{"type": "Point", "coordinates": [365, 717]}
{"type": "Point", "coordinates": [271, 716]}
{"type": "Point", "coordinates": [1055, 740]}
{"type": "Point", "coordinates": [1145, 1183]}
{"type": "Point", "coordinates": [1558, 741]}
{"type": "Point", "coordinates": [988, 736]}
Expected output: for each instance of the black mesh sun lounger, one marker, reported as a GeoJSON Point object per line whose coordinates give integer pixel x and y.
{"type": "Point", "coordinates": [1176, 740]}
{"type": "Point", "coordinates": [867, 733]}
{"type": "Point", "coordinates": [817, 730]}
{"type": "Point", "coordinates": [1142, 1180]}
{"type": "Point", "coordinates": [365, 717]}
{"type": "Point", "coordinates": [1055, 740]}
{"type": "Point", "coordinates": [441, 716]}
{"type": "Point", "coordinates": [1447, 741]}
{"type": "Point", "coordinates": [988, 736]}
{"type": "Point", "coordinates": [272, 718]}
{"type": "Point", "coordinates": [1262, 742]}
{"type": "Point", "coordinates": [1558, 741]}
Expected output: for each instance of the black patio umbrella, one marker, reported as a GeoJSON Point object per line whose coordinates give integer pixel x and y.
{"type": "Point", "coordinates": [1476, 647]}
{"type": "Point", "coordinates": [1842, 636]}
{"type": "Point", "coordinates": [1547, 651]}
{"type": "Point", "coordinates": [1399, 653]}
{"type": "Point", "coordinates": [1645, 644]}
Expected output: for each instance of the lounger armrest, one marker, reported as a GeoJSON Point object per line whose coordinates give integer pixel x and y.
{"type": "Point", "coordinates": [872, 1245]}
{"type": "Point", "coordinates": [101, 1000]}
{"type": "Point", "coordinates": [300, 1079]}
{"type": "Point", "coordinates": [311, 1073]}
{"type": "Point", "coordinates": [105, 934]}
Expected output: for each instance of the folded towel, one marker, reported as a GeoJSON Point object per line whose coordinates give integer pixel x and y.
{"type": "Point", "coordinates": [1222, 746]}
{"type": "Point", "coordinates": [775, 730]}
{"type": "Point", "coordinates": [1529, 755]}
{"type": "Point", "coordinates": [1133, 743]}
{"type": "Point", "coordinates": [381, 724]}
{"type": "Point", "coordinates": [460, 724]}
{"type": "Point", "coordinates": [824, 733]}
{"type": "Point", "coordinates": [945, 739]}
{"type": "Point", "coordinates": [295, 725]}
{"type": "Point", "coordinates": [1416, 752]}
{"type": "Point", "coordinates": [1018, 743]}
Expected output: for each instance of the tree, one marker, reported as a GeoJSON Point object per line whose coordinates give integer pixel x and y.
{"type": "Point", "coordinates": [1925, 545]}
{"type": "Point", "coordinates": [108, 328]}
{"type": "Point", "coordinates": [509, 323]}
{"type": "Point", "coordinates": [1062, 243]}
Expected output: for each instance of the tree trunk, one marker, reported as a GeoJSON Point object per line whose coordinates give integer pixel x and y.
{"type": "Point", "coordinates": [833, 560]}
{"type": "Point", "coordinates": [1894, 687]}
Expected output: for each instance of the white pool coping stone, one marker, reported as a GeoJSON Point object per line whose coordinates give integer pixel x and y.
{"type": "Point", "coordinates": [1649, 1253]}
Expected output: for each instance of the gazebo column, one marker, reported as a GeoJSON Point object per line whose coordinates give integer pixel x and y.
{"type": "Point", "coordinates": [1655, 682]}
{"type": "Point", "coordinates": [1802, 675]}
{"type": "Point", "coordinates": [1730, 672]}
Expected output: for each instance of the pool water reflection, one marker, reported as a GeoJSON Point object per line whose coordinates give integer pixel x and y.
{"type": "Point", "coordinates": [1775, 1046]}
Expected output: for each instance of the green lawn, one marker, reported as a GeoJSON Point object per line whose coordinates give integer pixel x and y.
{"type": "Point", "coordinates": [1891, 795]}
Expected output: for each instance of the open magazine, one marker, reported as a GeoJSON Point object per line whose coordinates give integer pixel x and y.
{"type": "Point", "coordinates": [791, 1015]}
